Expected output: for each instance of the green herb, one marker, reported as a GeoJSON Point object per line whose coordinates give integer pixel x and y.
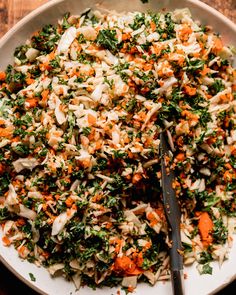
{"type": "Point", "coordinates": [217, 86]}
{"type": "Point", "coordinates": [65, 24]}
{"type": "Point", "coordinates": [107, 39]}
{"type": "Point", "coordinates": [46, 39]}
{"type": "Point", "coordinates": [86, 131]}
{"type": "Point", "coordinates": [206, 269]}
{"type": "Point", "coordinates": [205, 257]}
{"type": "Point", "coordinates": [220, 232]}
{"type": "Point", "coordinates": [32, 277]}
{"type": "Point", "coordinates": [18, 78]}
{"type": "Point", "coordinates": [170, 26]}
{"type": "Point", "coordinates": [102, 164]}
{"type": "Point", "coordinates": [194, 65]}
{"type": "Point", "coordinates": [131, 105]}
{"type": "Point", "coordinates": [43, 152]}
{"type": "Point", "coordinates": [81, 39]}
{"type": "Point", "coordinates": [55, 63]}
{"type": "Point", "coordinates": [139, 20]}
{"type": "Point", "coordinates": [4, 180]}
{"type": "Point", "coordinates": [9, 70]}
{"type": "Point", "coordinates": [119, 154]}
{"type": "Point", "coordinates": [19, 131]}
{"type": "Point", "coordinates": [25, 120]}
{"type": "Point", "coordinates": [4, 214]}
{"type": "Point", "coordinates": [20, 52]}
{"type": "Point", "coordinates": [187, 247]}
{"type": "Point", "coordinates": [110, 83]}
{"type": "Point", "coordinates": [205, 117]}
{"type": "Point", "coordinates": [22, 149]}
{"type": "Point", "coordinates": [120, 71]}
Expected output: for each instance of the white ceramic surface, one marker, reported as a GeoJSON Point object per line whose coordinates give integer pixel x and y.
{"type": "Point", "coordinates": [49, 13]}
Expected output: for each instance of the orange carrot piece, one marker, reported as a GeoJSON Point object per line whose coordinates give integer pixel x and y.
{"type": "Point", "coordinates": [6, 132]}
{"type": "Point", "coordinates": [205, 226]}
{"type": "Point", "coordinates": [29, 81]}
{"type": "Point", "coordinates": [218, 45]}
{"type": "Point", "coordinates": [228, 176]}
{"type": "Point", "coordinates": [91, 119]}
{"type": "Point", "coordinates": [126, 265]}
{"type": "Point", "coordinates": [2, 76]}
{"type": "Point", "coordinates": [2, 168]}
{"type": "Point", "coordinates": [6, 241]}
{"type": "Point", "coordinates": [33, 102]}
{"type": "Point", "coordinates": [180, 157]}
{"type": "Point", "coordinates": [69, 202]}
{"type": "Point", "coordinates": [153, 26]}
{"type": "Point", "coordinates": [190, 90]}
{"type": "Point", "coordinates": [136, 178]}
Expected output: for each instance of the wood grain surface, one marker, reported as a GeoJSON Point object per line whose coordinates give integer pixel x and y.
{"type": "Point", "coordinates": [11, 11]}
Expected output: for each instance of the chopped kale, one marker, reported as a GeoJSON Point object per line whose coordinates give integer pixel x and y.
{"type": "Point", "coordinates": [107, 39]}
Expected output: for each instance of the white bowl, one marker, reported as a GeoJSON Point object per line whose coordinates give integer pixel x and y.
{"type": "Point", "coordinates": [50, 13]}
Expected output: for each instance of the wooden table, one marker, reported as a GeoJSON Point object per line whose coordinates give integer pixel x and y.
{"type": "Point", "coordinates": [12, 11]}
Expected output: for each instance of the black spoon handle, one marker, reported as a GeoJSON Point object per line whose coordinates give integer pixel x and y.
{"type": "Point", "coordinates": [173, 214]}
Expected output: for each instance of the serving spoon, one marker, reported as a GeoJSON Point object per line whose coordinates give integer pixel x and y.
{"type": "Point", "coordinates": [173, 215]}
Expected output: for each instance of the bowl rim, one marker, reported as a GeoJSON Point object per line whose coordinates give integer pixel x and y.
{"type": "Point", "coordinates": [51, 3]}
{"type": "Point", "coordinates": [4, 39]}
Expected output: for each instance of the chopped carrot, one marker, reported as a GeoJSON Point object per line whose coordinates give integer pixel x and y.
{"type": "Point", "coordinates": [185, 31]}
{"type": "Point", "coordinates": [164, 35]}
{"type": "Point", "coordinates": [205, 226]}
{"type": "Point", "coordinates": [180, 157]}
{"type": "Point", "coordinates": [20, 221]}
{"type": "Point", "coordinates": [69, 202]}
{"type": "Point", "coordinates": [45, 66]}
{"type": "Point", "coordinates": [130, 289]}
{"type": "Point", "coordinates": [160, 212]}
{"type": "Point", "coordinates": [125, 37]}
{"type": "Point", "coordinates": [228, 166]}
{"type": "Point", "coordinates": [228, 176]}
{"type": "Point", "coordinates": [21, 250]}
{"type": "Point", "coordinates": [205, 71]}
{"type": "Point", "coordinates": [33, 102]}
{"type": "Point", "coordinates": [70, 169]}
{"type": "Point", "coordinates": [147, 67]}
{"type": "Point", "coordinates": [44, 95]}
{"type": "Point", "coordinates": [190, 90]}
{"type": "Point", "coordinates": [6, 132]}
{"type": "Point", "coordinates": [57, 197]}
{"type": "Point", "coordinates": [2, 76]}
{"type": "Point", "coordinates": [140, 259]}
{"type": "Point", "coordinates": [152, 218]}
{"type": "Point", "coordinates": [108, 225]}
{"type": "Point", "coordinates": [74, 207]}
{"type": "Point", "coordinates": [218, 45]}
{"type": "Point", "coordinates": [147, 246]}
{"type": "Point", "coordinates": [2, 168]}
{"type": "Point", "coordinates": [15, 139]}
{"type": "Point", "coordinates": [91, 119]}
{"type": "Point", "coordinates": [6, 241]}
{"type": "Point", "coordinates": [51, 55]}
{"type": "Point", "coordinates": [45, 254]}
{"type": "Point", "coordinates": [135, 272]}
{"type": "Point", "coordinates": [153, 26]}
{"type": "Point", "coordinates": [29, 81]}
{"type": "Point", "coordinates": [126, 265]}
{"type": "Point", "coordinates": [136, 178]}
